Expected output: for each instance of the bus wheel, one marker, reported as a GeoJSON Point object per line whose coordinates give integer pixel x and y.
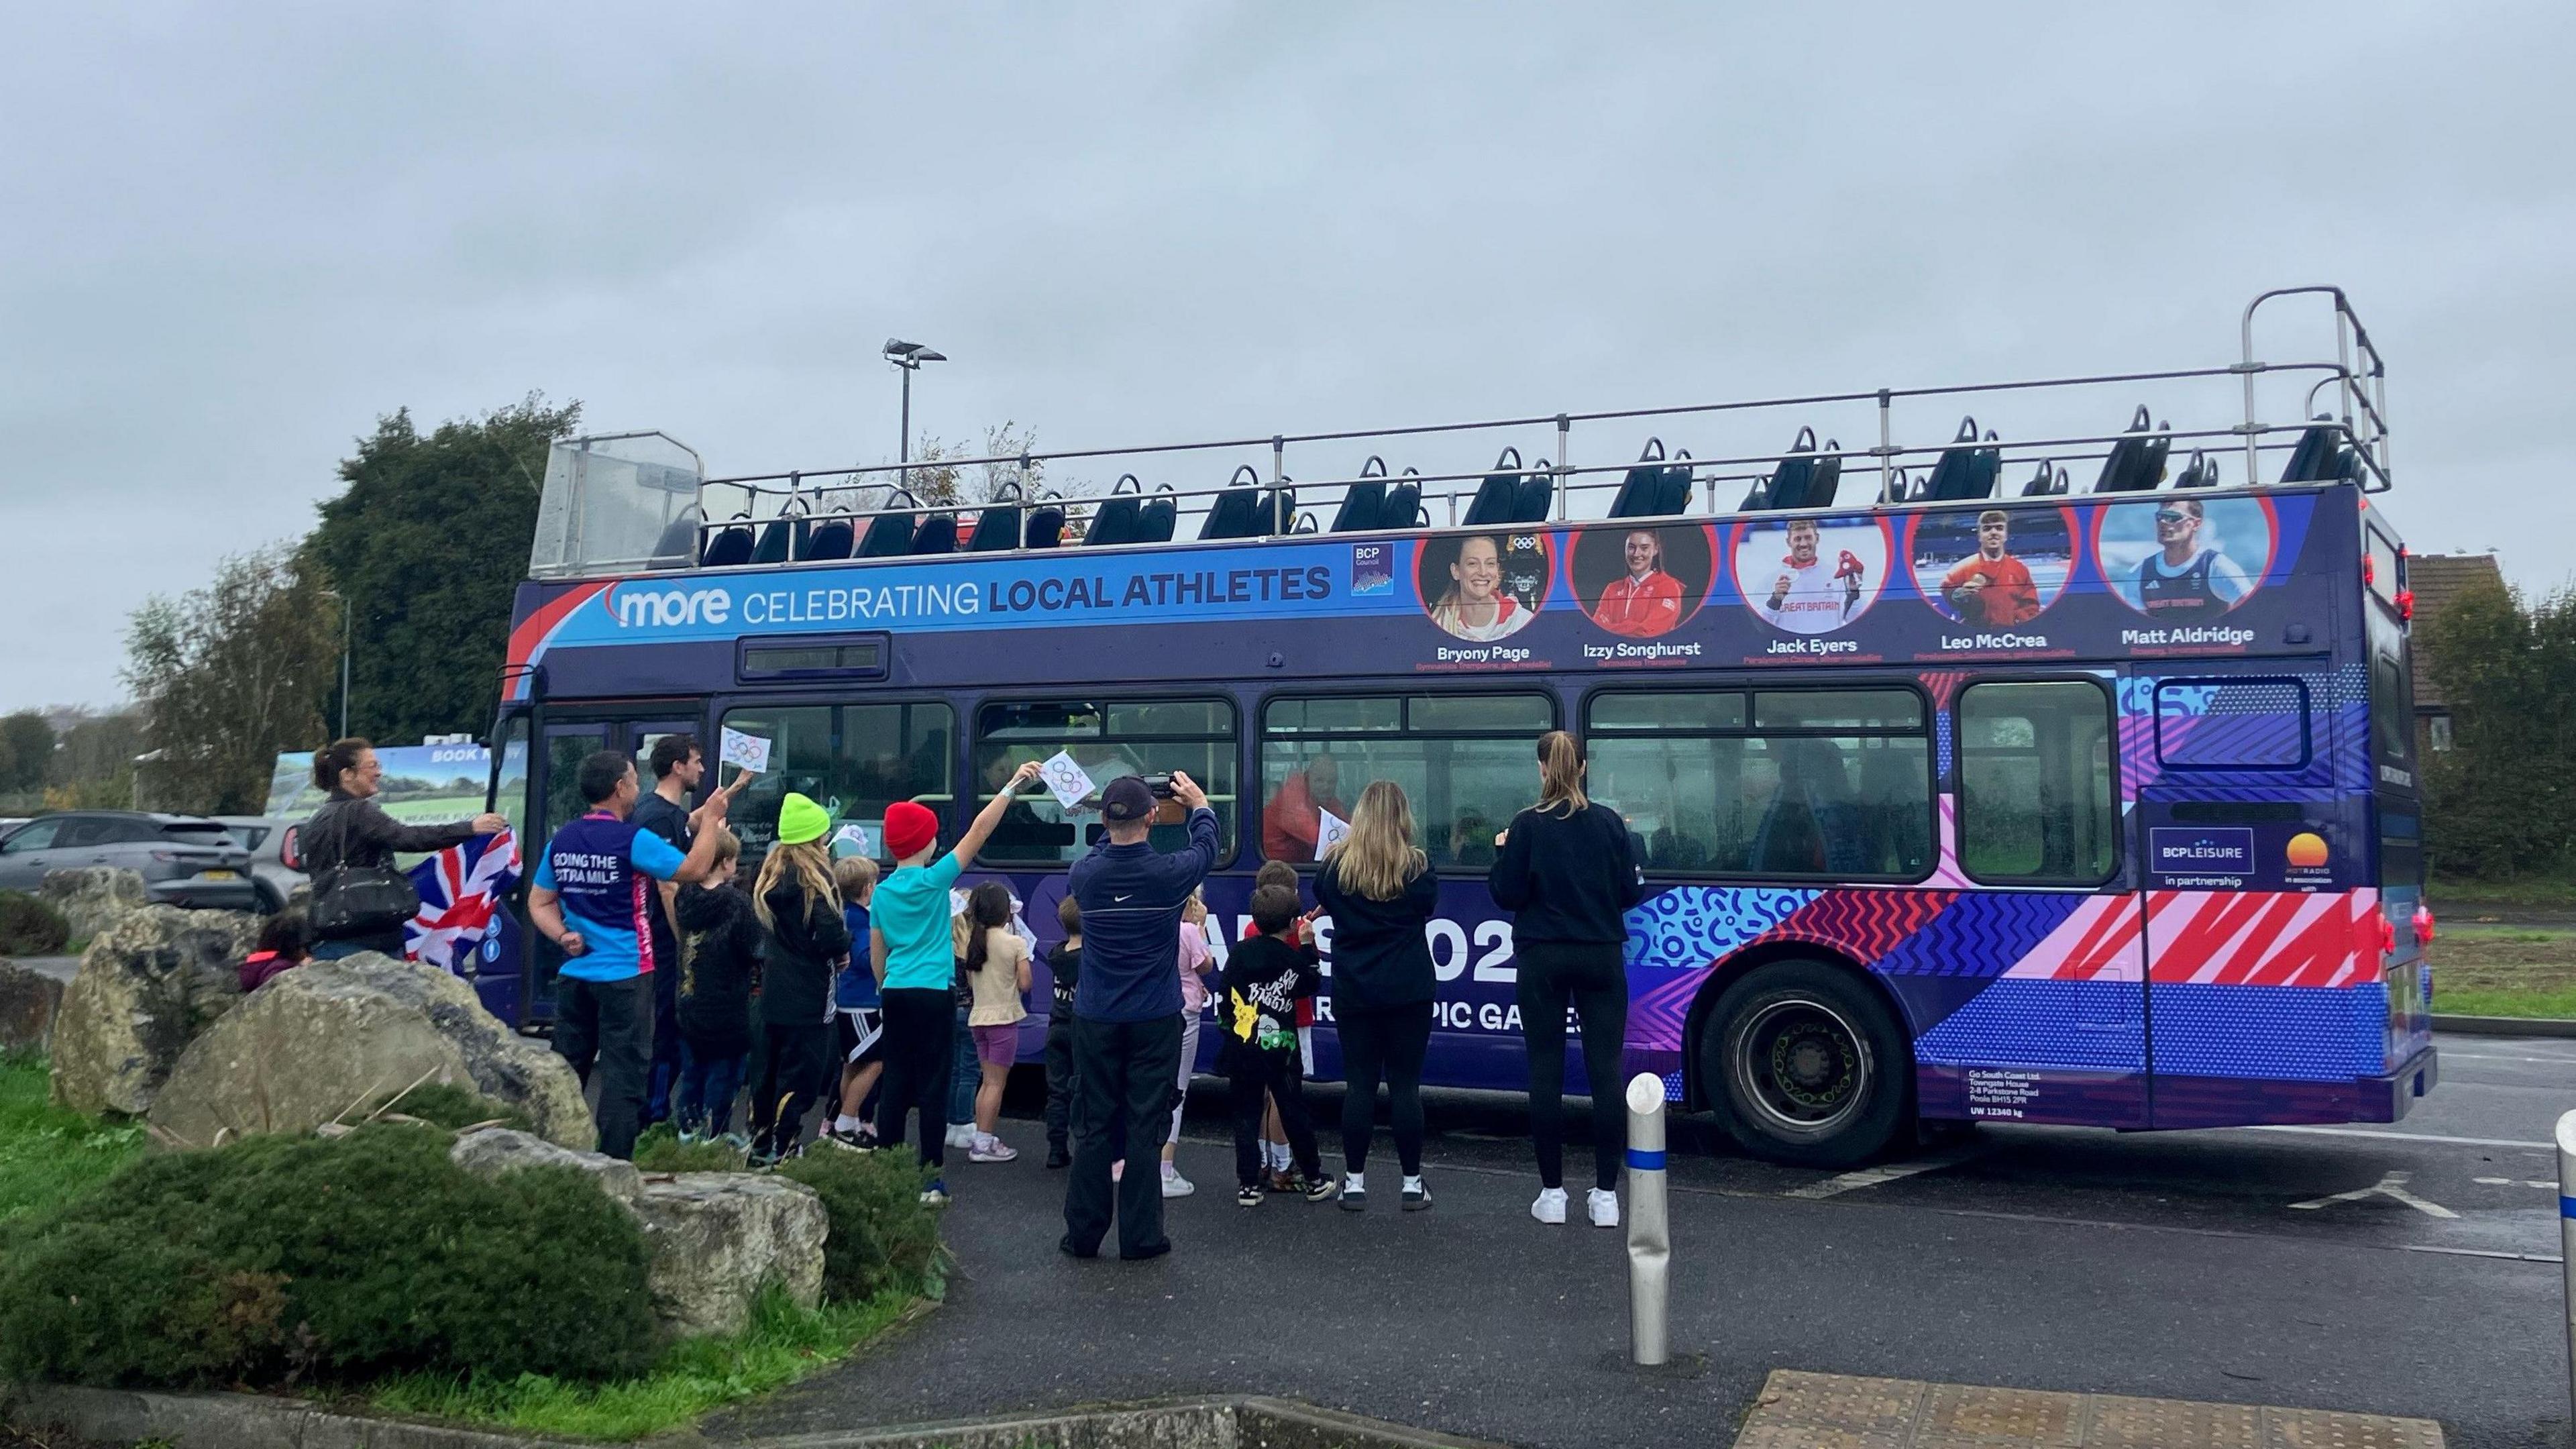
{"type": "Point", "coordinates": [1805, 1066]}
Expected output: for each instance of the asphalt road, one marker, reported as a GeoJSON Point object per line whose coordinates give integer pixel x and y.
{"type": "Point", "coordinates": [2406, 1269]}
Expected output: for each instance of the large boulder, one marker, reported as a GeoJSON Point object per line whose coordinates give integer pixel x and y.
{"type": "Point", "coordinates": [151, 980]}
{"type": "Point", "coordinates": [92, 897]}
{"type": "Point", "coordinates": [315, 1042]}
{"type": "Point", "coordinates": [492, 1151]}
{"type": "Point", "coordinates": [29, 1002]}
{"type": "Point", "coordinates": [718, 1236]}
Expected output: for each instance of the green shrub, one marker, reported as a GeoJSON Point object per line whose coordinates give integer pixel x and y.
{"type": "Point", "coordinates": [660, 1149]}
{"type": "Point", "coordinates": [278, 1257]}
{"type": "Point", "coordinates": [29, 927]}
{"type": "Point", "coordinates": [457, 1108]}
{"type": "Point", "coordinates": [883, 1236]}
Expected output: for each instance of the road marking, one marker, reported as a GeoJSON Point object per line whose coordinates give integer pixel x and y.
{"type": "Point", "coordinates": [2486, 1057]}
{"type": "Point", "coordinates": [2404, 1137]}
{"type": "Point", "coordinates": [2510, 1181]}
{"type": "Point", "coordinates": [1890, 1172]}
{"type": "Point", "coordinates": [2483, 1253]}
{"type": "Point", "coordinates": [2392, 1185]}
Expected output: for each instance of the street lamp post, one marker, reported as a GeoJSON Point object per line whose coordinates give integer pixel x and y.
{"type": "Point", "coordinates": [908, 356]}
{"type": "Point", "coordinates": [344, 658]}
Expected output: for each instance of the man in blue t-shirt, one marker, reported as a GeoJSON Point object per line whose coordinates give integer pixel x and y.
{"type": "Point", "coordinates": [593, 897]}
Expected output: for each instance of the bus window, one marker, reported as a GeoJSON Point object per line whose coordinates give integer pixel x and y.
{"type": "Point", "coordinates": [2392, 711]}
{"type": "Point", "coordinates": [853, 759]}
{"type": "Point", "coordinates": [2232, 724]}
{"type": "Point", "coordinates": [2038, 804]}
{"type": "Point", "coordinates": [1466, 763]}
{"type": "Point", "coordinates": [1823, 783]}
{"type": "Point", "coordinates": [510, 782]}
{"type": "Point", "coordinates": [1108, 738]}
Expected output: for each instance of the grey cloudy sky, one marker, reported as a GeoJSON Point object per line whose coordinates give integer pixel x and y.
{"type": "Point", "coordinates": [233, 235]}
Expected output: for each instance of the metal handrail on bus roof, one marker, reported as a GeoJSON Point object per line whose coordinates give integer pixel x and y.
{"type": "Point", "coordinates": [2360, 424]}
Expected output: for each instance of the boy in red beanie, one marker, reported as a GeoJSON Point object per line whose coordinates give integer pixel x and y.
{"type": "Point", "coordinates": [908, 945]}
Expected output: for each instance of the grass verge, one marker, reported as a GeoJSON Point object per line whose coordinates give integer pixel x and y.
{"type": "Point", "coordinates": [2530, 892]}
{"type": "Point", "coordinates": [783, 1344]}
{"type": "Point", "coordinates": [48, 1154]}
{"type": "Point", "coordinates": [2504, 971]}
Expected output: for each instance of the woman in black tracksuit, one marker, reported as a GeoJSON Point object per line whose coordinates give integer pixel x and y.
{"type": "Point", "coordinates": [1568, 873]}
{"type": "Point", "coordinates": [1379, 889]}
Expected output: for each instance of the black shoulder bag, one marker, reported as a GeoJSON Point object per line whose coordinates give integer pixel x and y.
{"type": "Point", "coordinates": [360, 900]}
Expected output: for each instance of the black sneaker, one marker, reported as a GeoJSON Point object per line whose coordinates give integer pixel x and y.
{"type": "Point", "coordinates": [1416, 1197]}
{"type": "Point", "coordinates": [1248, 1195]}
{"type": "Point", "coordinates": [1354, 1199]}
{"type": "Point", "coordinates": [848, 1141]}
{"type": "Point", "coordinates": [1058, 1157]}
{"type": "Point", "coordinates": [1318, 1190]}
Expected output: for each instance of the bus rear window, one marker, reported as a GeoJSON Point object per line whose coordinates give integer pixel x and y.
{"type": "Point", "coordinates": [2382, 566]}
{"type": "Point", "coordinates": [2401, 850]}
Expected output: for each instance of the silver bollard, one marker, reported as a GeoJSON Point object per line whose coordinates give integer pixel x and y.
{"type": "Point", "coordinates": [1650, 1237]}
{"type": "Point", "coordinates": [2567, 1238]}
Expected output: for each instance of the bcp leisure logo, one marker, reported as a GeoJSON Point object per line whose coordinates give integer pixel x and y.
{"type": "Point", "coordinates": [668, 608]}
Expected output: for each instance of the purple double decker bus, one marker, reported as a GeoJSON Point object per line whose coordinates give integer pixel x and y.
{"type": "Point", "coordinates": [2061, 777]}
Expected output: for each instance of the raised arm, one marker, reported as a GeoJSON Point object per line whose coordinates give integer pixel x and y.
{"type": "Point", "coordinates": [701, 859]}
{"type": "Point", "coordinates": [981, 828]}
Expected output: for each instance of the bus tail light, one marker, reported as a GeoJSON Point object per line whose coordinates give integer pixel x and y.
{"type": "Point", "coordinates": [2406, 605]}
{"type": "Point", "coordinates": [2423, 925]}
{"type": "Point", "coordinates": [2369, 569]}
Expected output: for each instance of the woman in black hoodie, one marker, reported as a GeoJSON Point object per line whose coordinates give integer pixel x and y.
{"type": "Point", "coordinates": [720, 941]}
{"type": "Point", "coordinates": [1379, 889]}
{"type": "Point", "coordinates": [809, 942]}
{"type": "Point", "coordinates": [1568, 873]}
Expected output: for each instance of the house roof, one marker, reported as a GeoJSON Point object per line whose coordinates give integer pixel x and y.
{"type": "Point", "coordinates": [2437, 579]}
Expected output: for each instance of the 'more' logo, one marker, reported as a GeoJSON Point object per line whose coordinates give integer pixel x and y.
{"type": "Point", "coordinates": [670, 608]}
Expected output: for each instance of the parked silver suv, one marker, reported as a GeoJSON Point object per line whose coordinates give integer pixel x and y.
{"type": "Point", "coordinates": [275, 868]}
{"type": "Point", "coordinates": [185, 860]}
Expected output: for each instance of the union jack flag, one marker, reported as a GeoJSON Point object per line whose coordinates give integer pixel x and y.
{"type": "Point", "coordinates": [460, 887]}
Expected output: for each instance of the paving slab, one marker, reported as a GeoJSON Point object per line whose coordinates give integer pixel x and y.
{"type": "Point", "coordinates": [1799, 1410]}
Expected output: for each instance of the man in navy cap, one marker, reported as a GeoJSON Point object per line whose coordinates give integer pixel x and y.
{"type": "Point", "coordinates": [1127, 1027]}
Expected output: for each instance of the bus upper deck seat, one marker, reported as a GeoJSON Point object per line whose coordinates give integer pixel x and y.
{"type": "Point", "coordinates": [731, 546]}
{"type": "Point", "coordinates": [2200, 472]}
{"type": "Point", "coordinates": [1119, 514]}
{"type": "Point", "coordinates": [1364, 501]}
{"type": "Point", "coordinates": [1403, 506]}
{"type": "Point", "coordinates": [2137, 461]}
{"type": "Point", "coordinates": [1234, 513]}
{"type": "Point", "coordinates": [778, 539]}
{"type": "Point", "coordinates": [1498, 495]}
{"type": "Point", "coordinates": [1534, 495]}
{"type": "Point", "coordinates": [1678, 481]}
{"type": "Point", "coordinates": [889, 535]}
{"type": "Point", "coordinates": [1827, 480]}
{"type": "Point", "coordinates": [677, 548]}
{"type": "Point", "coordinates": [2315, 459]}
{"type": "Point", "coordinates": [937, 534]}
{"type": "Point", "coordinates": [1045, 527]}
{"type": "Point", "coordinates": [1645, 489]}
{"type": "Point", "coordinates": [1787, 487]}
{"type": "Point", "coordinates": [831, 538]}
{"type": "Point", "coordinates": [997, 528]}
{"type": "Point", "coordinates": [1757, 497]}
{"type": "Point", "coordinates": [2037, 487]}
{"type": "Point", "coordinates": [1277, 512]}
{"type": "Point", "coordinates": [1964, 470]}
{"type": "Point", "coordinates": [1160, 515]}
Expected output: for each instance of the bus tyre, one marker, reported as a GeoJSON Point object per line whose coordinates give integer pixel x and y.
{"type": "Point", "coordinates": [1805, 1065]}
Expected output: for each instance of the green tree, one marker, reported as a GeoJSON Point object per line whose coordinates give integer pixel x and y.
{"type": "Point", "coordinates": [429, 544]}
{"type": "Point", "coordinates": [27, 744]}
{"type": "Point", "coordinates": [2502, 801]}
{"type": "Point", "coordinates": [94, 766]}
{"type": "Point", "coordinates": [228, 676]}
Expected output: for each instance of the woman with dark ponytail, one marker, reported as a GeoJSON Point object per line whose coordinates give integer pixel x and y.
{"type": "Point", "coordinates": [352, 832]}
{"type": "Point", "coordinates": [1568, 873]}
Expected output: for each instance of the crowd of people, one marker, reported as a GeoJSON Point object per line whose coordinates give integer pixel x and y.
{"type": "Point", "coordinates": [894, 1002]}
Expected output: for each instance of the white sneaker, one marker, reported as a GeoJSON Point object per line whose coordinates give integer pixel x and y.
{"type": "Point", "coordinates": [991, 1149]}
{"type": "Point", "coordinates": [1550, 1207]}
{"type": "Point", "coordinates": [1175, 1185]}
{"type": "Point", "coordinates": [1604, 1205]}
{"type": "Point", "coordinates": [961, 1134]}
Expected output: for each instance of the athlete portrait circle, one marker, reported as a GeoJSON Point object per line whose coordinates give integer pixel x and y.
{"type": "Point", "coordinates": [1483, 586]}
{"type": "Point", "coordinates": [1811, 576]}
{"type": "Point", "coordinates": [1994, 568]}
{"type": "Point", "coordinates": [2180, 559]}
{"type": "Point", "coordinates": [1642, 582]}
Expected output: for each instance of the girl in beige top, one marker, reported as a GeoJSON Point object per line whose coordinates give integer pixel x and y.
{"type": "Point", "coordinates": [995, 963]}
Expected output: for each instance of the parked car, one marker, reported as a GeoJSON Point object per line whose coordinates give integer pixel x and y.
{"type": "Point", "coordinates": [185, 860]}
{"type": "Point", "coordinates": [274, 865]}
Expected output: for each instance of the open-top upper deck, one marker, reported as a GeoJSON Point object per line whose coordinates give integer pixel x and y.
{"type": "Point", "coordinates": [641, 503]}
